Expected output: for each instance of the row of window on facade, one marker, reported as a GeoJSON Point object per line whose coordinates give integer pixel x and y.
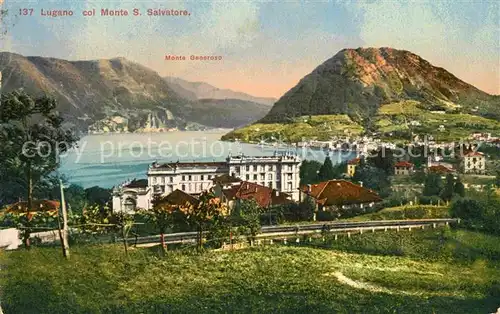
{"type": "Point", "coordinates": [263, 176]}
{"type": "Point", "coordinates": [250, 168]}
{"type": "Point", "coordinates": [158, 180]}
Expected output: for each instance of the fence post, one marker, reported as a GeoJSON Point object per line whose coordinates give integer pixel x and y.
{"type": "Point", "coordinates": [349, 235]}
{"type": "Point", "coordinates": [336, 237]}
{"type": "Point", "coordinates": [373, 230]}
{"type": "Point", "coordinates": [284, 241]}
{"type": "Point", "coordinates": [259, 242]}
{"type": "Point", "coordinates": [434, 225]}
{"type": "Point", "coordinates": [298, 240]}
{"type": "Point", "coordinates": [409, 229]}
{"type": "Point", "coordinates": [397, 228]}
{"type": "Point", "coordinates": [385, 229]}
{"type": "Point", "coordinates": [423, 227]}
{"type": "Point", "coordinates": [271, 241]}
{"type": "Point", "coordinates": [360, 231]}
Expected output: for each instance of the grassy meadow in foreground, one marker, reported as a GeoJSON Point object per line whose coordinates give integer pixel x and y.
{"type": "Point", "coordinates": [430, 271]}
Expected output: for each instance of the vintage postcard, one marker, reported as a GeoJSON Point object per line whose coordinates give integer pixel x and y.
{"type": "Point", "coordinates": [249, 156]}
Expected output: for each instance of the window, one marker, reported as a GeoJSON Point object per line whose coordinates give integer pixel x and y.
{"type": "Point", "coordinates": [251, 168]}
{"type": "Point", "coordinates": [289, 186]}
{"type": "Point", "coordinates": [247, 168]}
{"type": "Point", "coordinates": [262, 176]}
{"type": "Point", "coordinates": [129, 204]}
{"type": "Point", "coordinates": [248, 177]}
{"type": "Point", "coordinates": [255, 177]}
{"type": "Point", "coordinates": [202, 177]}
{"type": "Point", "coordinates": [171, 179]}
{"type": "Point", "coordinates": [289, 176]}
{"type": "Point", "coordinates": [189, 178]}
{"type": "Point", "coordinates": [270, 185]}
{"type": "Point", "coordinates": [183, 187]}
{"type": "Point", "coordinates": [183, 178]}
{"type": "Point", "coordinates": [270, 176]}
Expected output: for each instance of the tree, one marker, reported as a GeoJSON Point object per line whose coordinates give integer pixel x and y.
{"type": "Point", "coordinates": [459, 188]}
{"type": "Point", "coordinates": [432, 185]}
{"type": "Point", "coordinates": [449, 188]}
{"type": "Point", "coordinates": [98, 195]}
{"type": "Point", "coordinates": [161, 216]}
{"type": "Point", "coordinates": [31, 139]}
{"type": "Point", "coordinates": [497, 179]}
{"type": "Point", "coordinates": [246, 215]}
{"type": "Point", "coordinates": [123, 222]}
{"type": "Point", "coordinates": [384, 160]}
{"type": "Point", "coordinates": [326, 171]}
{"type": "Point", "coordinates": [309, 172]}
{"type": "Point", "coordinates": [372, 178]}
{"type": "Point", "coordinates": [202, 214]}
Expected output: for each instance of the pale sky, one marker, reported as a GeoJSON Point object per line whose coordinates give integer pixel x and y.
{"type": "Point", "coordinates": [266, 47]}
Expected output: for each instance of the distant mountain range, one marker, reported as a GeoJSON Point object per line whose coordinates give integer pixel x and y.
{"type": "Point", "coordinates": [118, 95]}
{"type": "Point", "coordinates": [358, 83]}
{"type": "Point", "coordinates": [201, 90]}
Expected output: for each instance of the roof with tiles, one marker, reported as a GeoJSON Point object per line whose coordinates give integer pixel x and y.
{"type": "Point", "coordinates": [404, 164]}
{"type": "Point", "coordinates": [263, 195]}
{"type": "Point", "coordinates": [354, 161]}
{"type": "Point", "coordinates": [341, 192]}
{"type": "Point", "coordinates": [439, 169]}
{"type": "Point", "coordinates": [180, 198]}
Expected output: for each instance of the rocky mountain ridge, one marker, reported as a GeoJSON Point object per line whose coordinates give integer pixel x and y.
{"type": "Point", "coordinates": [118, 95]}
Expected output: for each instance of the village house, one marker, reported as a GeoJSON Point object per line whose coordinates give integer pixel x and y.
{"type": "Point", "coordinates": [474, 162]}
{"type": "Point", "coordinates": [403, 168]}
{"type": "Point", "coordinates": [179, 198]}
{"type": "Point", "coordinates": [38, 206]}
{"type": "Point", "coordinates": [439, 169]}
{"type": "Point", "coordinates": [351, 166]}
{"type": "Point", "coordinates": [263, 195]}
{"type": "Point", "coordinates": [339, 195]}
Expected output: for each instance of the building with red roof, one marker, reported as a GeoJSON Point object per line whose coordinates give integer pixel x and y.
{"type": "Point", "coordinates": [403, 168]}
{"type": "Point", "coordinates": [263, 195]}
{"type": "Point", "coordinates": [340, 194]}
{"type": "Point", "coordinates": [474, 162]}
{"type": "Point", "coordinates": [38, 206]}
{"type": "Point", "coordinates": [351, 166]}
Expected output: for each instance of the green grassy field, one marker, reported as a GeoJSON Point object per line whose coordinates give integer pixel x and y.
{"type": "Point", "coordinates": [432, 271]}
{"type": "Point", "coordinates": [406, 212]}
{"type": "Point", "coordinates": [393, 117]}
{"type": "Point", "coordinates": [315, 127]}
{"type": "Point", "coordinates": [397, 116]}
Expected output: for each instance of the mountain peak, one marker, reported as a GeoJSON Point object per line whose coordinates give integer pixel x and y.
{"type": "Point", "coordinates": [358, 81]}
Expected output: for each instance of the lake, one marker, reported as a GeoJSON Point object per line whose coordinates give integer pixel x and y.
{"type": "Point", "coordinates": [109, 159]}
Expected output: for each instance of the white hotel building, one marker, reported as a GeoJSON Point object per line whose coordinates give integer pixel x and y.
{"type": "Point", "coordinates": [280, 172]}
